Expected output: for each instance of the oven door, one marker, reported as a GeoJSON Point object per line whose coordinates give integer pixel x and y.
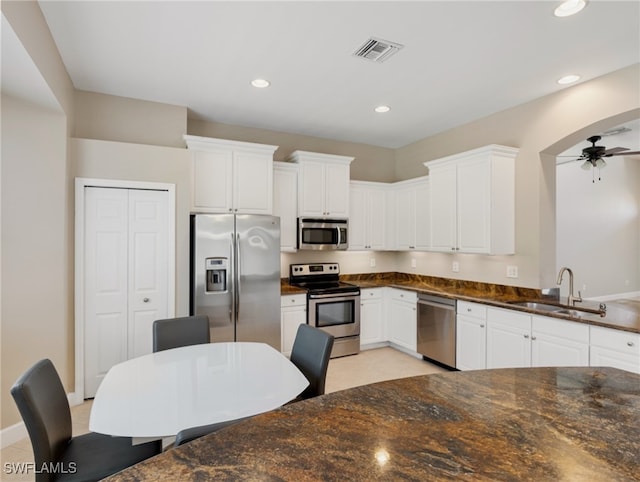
{"type": "Point", "coordinates": [337, 314]}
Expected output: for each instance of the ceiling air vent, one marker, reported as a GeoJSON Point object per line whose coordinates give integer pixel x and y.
{"type": "Point", "coordinates": [377, 50]}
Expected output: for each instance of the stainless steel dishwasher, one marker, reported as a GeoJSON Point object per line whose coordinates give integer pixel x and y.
{"type": "Point", "coordinates": [437, 329]}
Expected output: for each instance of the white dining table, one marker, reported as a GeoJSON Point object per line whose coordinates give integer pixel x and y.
{"type": "Point", "coordinates": [157, 395]}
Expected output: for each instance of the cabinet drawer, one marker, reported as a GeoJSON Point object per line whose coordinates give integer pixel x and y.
{"type": "Point", "coordinates": [621, 341]}
{"type": "Point", "coordinates": [402, 295]}
{"type": "Point", "coordinates": [370, 294]}
{"type": "Point", "coordinates": [473, 310]}
{"type": "Point", "coordinates": [293, 300]}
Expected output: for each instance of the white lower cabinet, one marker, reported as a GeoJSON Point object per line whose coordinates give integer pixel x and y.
{"type": "Point", "coordinates": [402, 319]}
{"type": "Point", "coordinates": [371, 317]}
{"type": "Point", "coordinates": [521, 340]}
{"type": "Point", "coordinates": [615, 348]}
{"type": "Point", "coordinates": [559, 343]}
{"type": "Point", "coordinates": [293, 312]}
{"type": "Point", "coordinates": [471, 336]}
{"type": "Point", "coordinates": [508, 339]}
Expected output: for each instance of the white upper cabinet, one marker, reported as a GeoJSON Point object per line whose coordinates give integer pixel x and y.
{"type": "Point", "coordinates": [285, 198]}
{"type": "Point", "coordinates": [231, 176]}
{"type": "Point", "coordinates": [473, 201]}
{"type": "Point", "coordinates": [412, 213]}
{"type": "Point", "coordinates": [323, 185]}
{"type": "Point", "coordinates": [367, 215]}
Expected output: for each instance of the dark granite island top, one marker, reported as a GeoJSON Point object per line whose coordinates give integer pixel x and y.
{"type": "Point", "coordinates": [573, 424]}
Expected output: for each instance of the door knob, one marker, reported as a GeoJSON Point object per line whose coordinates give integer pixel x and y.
{"type": "Point", "coordinates": [146, 300]}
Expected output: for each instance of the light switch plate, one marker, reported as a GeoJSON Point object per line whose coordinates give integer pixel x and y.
{"type": "Point", "coordinates": [414, 264]}
{"type": "Point", "coordinates": [372, 262]}
{"type": "Point", "coordinates": [455, 266]}
{"type": "Point", "coordinates": [512, 271]}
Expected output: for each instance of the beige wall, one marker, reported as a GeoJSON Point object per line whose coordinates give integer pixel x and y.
{"type": "Point", "coordinates": [138, 162]}
{"type": "Point", "coordinates": [371, 163]}
{"type": "Point", "coordinates": [540, 129]}
{"type": "Point", "coordinates": [35, 138]}
{"type": "Point", "coordinates": [112, 118]}
{"type": "Point", "coordinates": [36, 318]}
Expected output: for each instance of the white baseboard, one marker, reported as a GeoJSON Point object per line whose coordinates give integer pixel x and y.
{"type": "Point", "coordinates": [12, 434]}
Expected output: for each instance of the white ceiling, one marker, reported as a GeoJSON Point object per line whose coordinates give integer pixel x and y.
{"type": "Point", "coordinates": [462, 60]}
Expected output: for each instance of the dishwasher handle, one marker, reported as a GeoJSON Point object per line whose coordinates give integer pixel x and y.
{"type": "Point", "coordinates": [445, 303]}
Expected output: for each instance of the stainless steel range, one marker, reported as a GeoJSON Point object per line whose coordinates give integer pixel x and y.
{"type": "Point", "coordinates": [332, 305]}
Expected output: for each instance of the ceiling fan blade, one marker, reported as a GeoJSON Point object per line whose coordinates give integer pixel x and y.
{"type": "Point", "coordinates": [625, 153]}
{"type": "Point", "coordinates": [613, 150]}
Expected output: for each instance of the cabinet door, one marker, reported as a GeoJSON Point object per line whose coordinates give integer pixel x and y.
{"type": "Point", "coordinates": [312, 189]}
{"type": "Point", "coordinates": [405, 216]}
{"type": "Point", "coordinates": [285, 198]}
{"type": "Point", "coordinates": [402, 324]}
{"type": "Point", "coordinates": [559, 343]}
{"type": "Point", "coordinates": [443, 208]}
{"type": "Point", "coordinates": [508, 339]}
{"type": "Point", "coordinates": [252, 183]}
{"type": "Point", "coordinates": [337, 190]}
{"type": "Point", "coordinates": [422, 213]}
{"type": "Point", "coordinates": [473, 206]}
{"type": "Point", "coordinates": [358, 214]}
{"type": "Point", "coordinates": [471, 343]}
{"type": "Point", "coordinates": [606, 357]}
{"type": "Point", "coordinates": [376, 219]}
{"type": "Point", "coordinates": [371, 322]}
{"type": "Point", "coordinates": [292, 314]}
{"type": "Point", "coordinates": [212, 173]}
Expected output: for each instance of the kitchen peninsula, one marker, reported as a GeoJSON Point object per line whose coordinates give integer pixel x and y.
{"type": "Point", "coordinates": [507, 424]}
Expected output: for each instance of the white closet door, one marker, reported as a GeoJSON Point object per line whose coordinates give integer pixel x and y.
{"type": "Point", "coordinates": [126, 276]}
{"type": "Point", "coordinates": [147, 267]}
{"type": "Point", "coordinates": [106, 291]}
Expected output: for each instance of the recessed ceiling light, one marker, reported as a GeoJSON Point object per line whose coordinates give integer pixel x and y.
{"type": "Point", "coordinates": [381, 109]}
{"type": "Point", "coordinates": [569, 7]}
{"type": "Point", "coordinates": [569, 79]}
{"type": "Point", "coordinates": [260, 83]}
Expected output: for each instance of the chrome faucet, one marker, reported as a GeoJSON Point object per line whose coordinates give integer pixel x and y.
{"type": "Point", "coordinates": [571, 300]}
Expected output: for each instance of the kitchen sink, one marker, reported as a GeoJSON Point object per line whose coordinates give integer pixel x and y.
{"type": "Point", "coordinates": [533, 305]}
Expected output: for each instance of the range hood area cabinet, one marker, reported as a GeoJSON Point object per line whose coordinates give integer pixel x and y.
{"type": "Point", "coordinates": [472, 198]}
{"type": "Point", "coordinates": [323, 184]}
{"type": "Point", "coordinates": [368, 216]}
{"type": "Point", "coordinates": [230, 176]}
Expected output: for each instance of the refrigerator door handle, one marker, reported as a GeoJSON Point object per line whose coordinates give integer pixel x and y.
{"type": "Point", "coordinates": [237, 278]}
{"type": "Point", "coordinates": [232, 258]}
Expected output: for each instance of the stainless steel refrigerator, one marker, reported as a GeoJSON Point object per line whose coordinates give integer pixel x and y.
{"type": "Point", "coordinates": [235, 276]}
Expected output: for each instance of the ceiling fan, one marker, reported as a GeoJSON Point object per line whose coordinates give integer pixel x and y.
{"type": "Point", "coordinates": [593, 155]}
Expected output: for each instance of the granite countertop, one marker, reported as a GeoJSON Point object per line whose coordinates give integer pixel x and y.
{"type": "Point", "coordinates": [621, 314]}
{"type": "Point", "coordinates": [510, 424]}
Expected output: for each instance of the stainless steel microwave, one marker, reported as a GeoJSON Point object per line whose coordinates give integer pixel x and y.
{"type": "Point", "coordinates": [323, 234]}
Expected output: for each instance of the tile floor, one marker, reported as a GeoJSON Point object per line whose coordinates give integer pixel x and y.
{"type": "Point", "coordinates": [369, 366]}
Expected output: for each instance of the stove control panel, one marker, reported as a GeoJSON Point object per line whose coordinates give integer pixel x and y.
{"type": "Point", "coordinates": [315, 269]}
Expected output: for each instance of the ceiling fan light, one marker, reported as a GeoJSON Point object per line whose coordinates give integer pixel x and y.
{"type": "Point", "coordinates": [600, 164]}
{"type": "Point", "coordinates": [569, 7]}
{"type": "Point", "coordinates": [586, 165]}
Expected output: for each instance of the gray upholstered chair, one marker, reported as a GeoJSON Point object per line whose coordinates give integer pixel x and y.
{"type": "Point", "coordinates": [176, 332]}
{"type": "Point", "coordinates": [43, 405]}
{"type": "Point", "coordinates": [310, 353]}
{"type": "Point", "coordinates": [188, 434]}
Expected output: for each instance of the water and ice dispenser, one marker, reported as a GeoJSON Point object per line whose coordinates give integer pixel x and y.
{"type": "Point", "coordinates": [216, 272]}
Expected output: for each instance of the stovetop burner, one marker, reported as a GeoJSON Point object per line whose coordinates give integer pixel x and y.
{"type": "Point", "coordinates": [319, 278]}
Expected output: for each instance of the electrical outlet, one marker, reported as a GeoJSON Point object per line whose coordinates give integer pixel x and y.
{"type": "Point", "coordinates": [512, 271]}
{"type": "Point", "coordinates": [414, 263]}
{"type": "Point", "coordinates": [455, 266]}
{"type": "Point", "coordinates": [372, 262]}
